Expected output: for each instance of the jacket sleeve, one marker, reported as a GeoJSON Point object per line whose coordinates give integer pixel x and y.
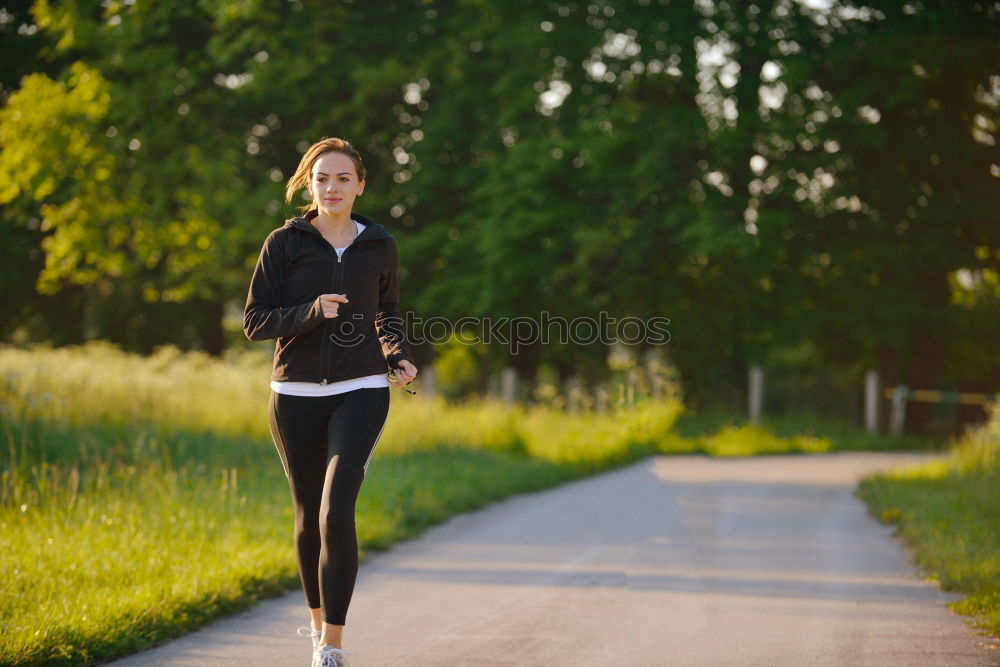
{"type": "Point", "coordinates": [264, 317]}
{"type": "Point", "coordinates": [388, 320]}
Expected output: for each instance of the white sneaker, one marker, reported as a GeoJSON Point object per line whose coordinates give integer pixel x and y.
{"type": "Point", "coordinates": [330, 656]}
{"type": "Point", "coordinates": [306, 631]}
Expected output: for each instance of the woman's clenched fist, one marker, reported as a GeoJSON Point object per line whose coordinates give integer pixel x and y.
{"type": "Point", "coordinates": [330, 303]}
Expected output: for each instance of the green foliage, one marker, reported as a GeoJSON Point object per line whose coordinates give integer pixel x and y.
{"type": "Point", "coordinates": [57, 118]}
{"type": "Point", "coordinates": [458, 365]}
{"type": "Point", "coordinates": [50, 155]}
{"type": "Point", "coordinates": [565, 158]}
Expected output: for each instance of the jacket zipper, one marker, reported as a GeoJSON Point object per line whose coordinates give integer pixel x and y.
{"type": "Point", "coordinates": [340, 286]}
{"type": "Point", "coordinates": [325, 356]}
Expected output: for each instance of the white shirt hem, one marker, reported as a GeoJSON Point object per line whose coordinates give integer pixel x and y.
{"type": "Point", "coordinates": [318, 389]}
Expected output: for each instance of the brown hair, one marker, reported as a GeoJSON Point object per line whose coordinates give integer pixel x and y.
{"type": "Point", "coordinates": [303, 173]}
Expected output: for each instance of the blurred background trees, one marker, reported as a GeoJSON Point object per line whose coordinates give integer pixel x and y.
{"type": "Point", "coordinates": [807, 185]}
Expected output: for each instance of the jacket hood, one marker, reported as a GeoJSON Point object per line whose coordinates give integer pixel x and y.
{"type": "Point", "coordinates": [372, 230]}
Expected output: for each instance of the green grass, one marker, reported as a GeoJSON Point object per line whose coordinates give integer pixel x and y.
{"type": "Point", "coordinates": [949, 512]}
{"type": "Point", "coordinates": [141, 497]}
{"type": "Point", "coordinates": [724, 434]}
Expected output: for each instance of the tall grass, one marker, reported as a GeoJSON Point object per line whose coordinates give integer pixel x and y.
{"type": "Point", "coordinates": [141, 497]}
{"type": "Point", "coordinates": [949, 511]}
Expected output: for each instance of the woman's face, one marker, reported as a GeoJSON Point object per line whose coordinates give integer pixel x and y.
{"type": "Point", "coordinates": [334, 183]}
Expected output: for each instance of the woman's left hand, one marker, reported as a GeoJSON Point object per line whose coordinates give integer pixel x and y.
{"type": "Point", "coordinates": [405, 374]}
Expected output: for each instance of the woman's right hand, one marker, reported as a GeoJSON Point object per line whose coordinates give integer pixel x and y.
{"type": "Point", "coordinates": [330, 303]}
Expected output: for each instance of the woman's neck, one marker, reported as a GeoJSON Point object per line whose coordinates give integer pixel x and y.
{"type": "Point", "coordinates": [334, 223]}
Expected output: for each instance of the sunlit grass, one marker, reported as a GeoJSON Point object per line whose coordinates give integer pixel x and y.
{"type": "Point", "coordinates": [725, 434]}
{"type": "Point", "coordinates": [949, 511]}
{"type": "Point", "coordinates": [141, 497]}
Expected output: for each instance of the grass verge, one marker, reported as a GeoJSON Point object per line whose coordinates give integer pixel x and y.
{"type": "Point", "coordinates": [949, 512]}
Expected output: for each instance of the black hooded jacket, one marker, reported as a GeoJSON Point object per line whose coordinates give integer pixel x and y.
{"type": "Point", "coordinates": [296, 265]}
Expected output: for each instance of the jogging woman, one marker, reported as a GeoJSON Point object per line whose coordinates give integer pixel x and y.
{"type": "Point", "coordinates": [325, 287]}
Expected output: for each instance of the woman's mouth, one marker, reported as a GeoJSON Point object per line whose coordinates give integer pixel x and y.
{"type": "Point", "coordinates": [332, 200]}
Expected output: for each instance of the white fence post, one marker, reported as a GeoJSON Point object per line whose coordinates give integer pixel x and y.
{"type": "Point", "coordinates": [756, 393]}
{"type": "Point", "coordinates": [602, 397]}
{"type": "Point", "coordinates": [871, 401]}
{"type": "Point", "coordinates": [898, 415]}
{"type": "Point", "coordinates": [574, 393]}
{"type": "Point", "coordinates": [508, 385]}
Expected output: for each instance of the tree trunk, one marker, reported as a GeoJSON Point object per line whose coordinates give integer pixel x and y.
{"type": "Point", "coordinates": [210, 332]}
{"type": "Point", "coordinates": [526, 360]}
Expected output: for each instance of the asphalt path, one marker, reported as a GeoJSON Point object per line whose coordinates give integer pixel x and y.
{"type": "Point", "coordinates": [670, 561]}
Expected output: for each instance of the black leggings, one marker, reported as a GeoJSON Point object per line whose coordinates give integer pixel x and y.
{"type": "Point", "coordinates": [325, 443]}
